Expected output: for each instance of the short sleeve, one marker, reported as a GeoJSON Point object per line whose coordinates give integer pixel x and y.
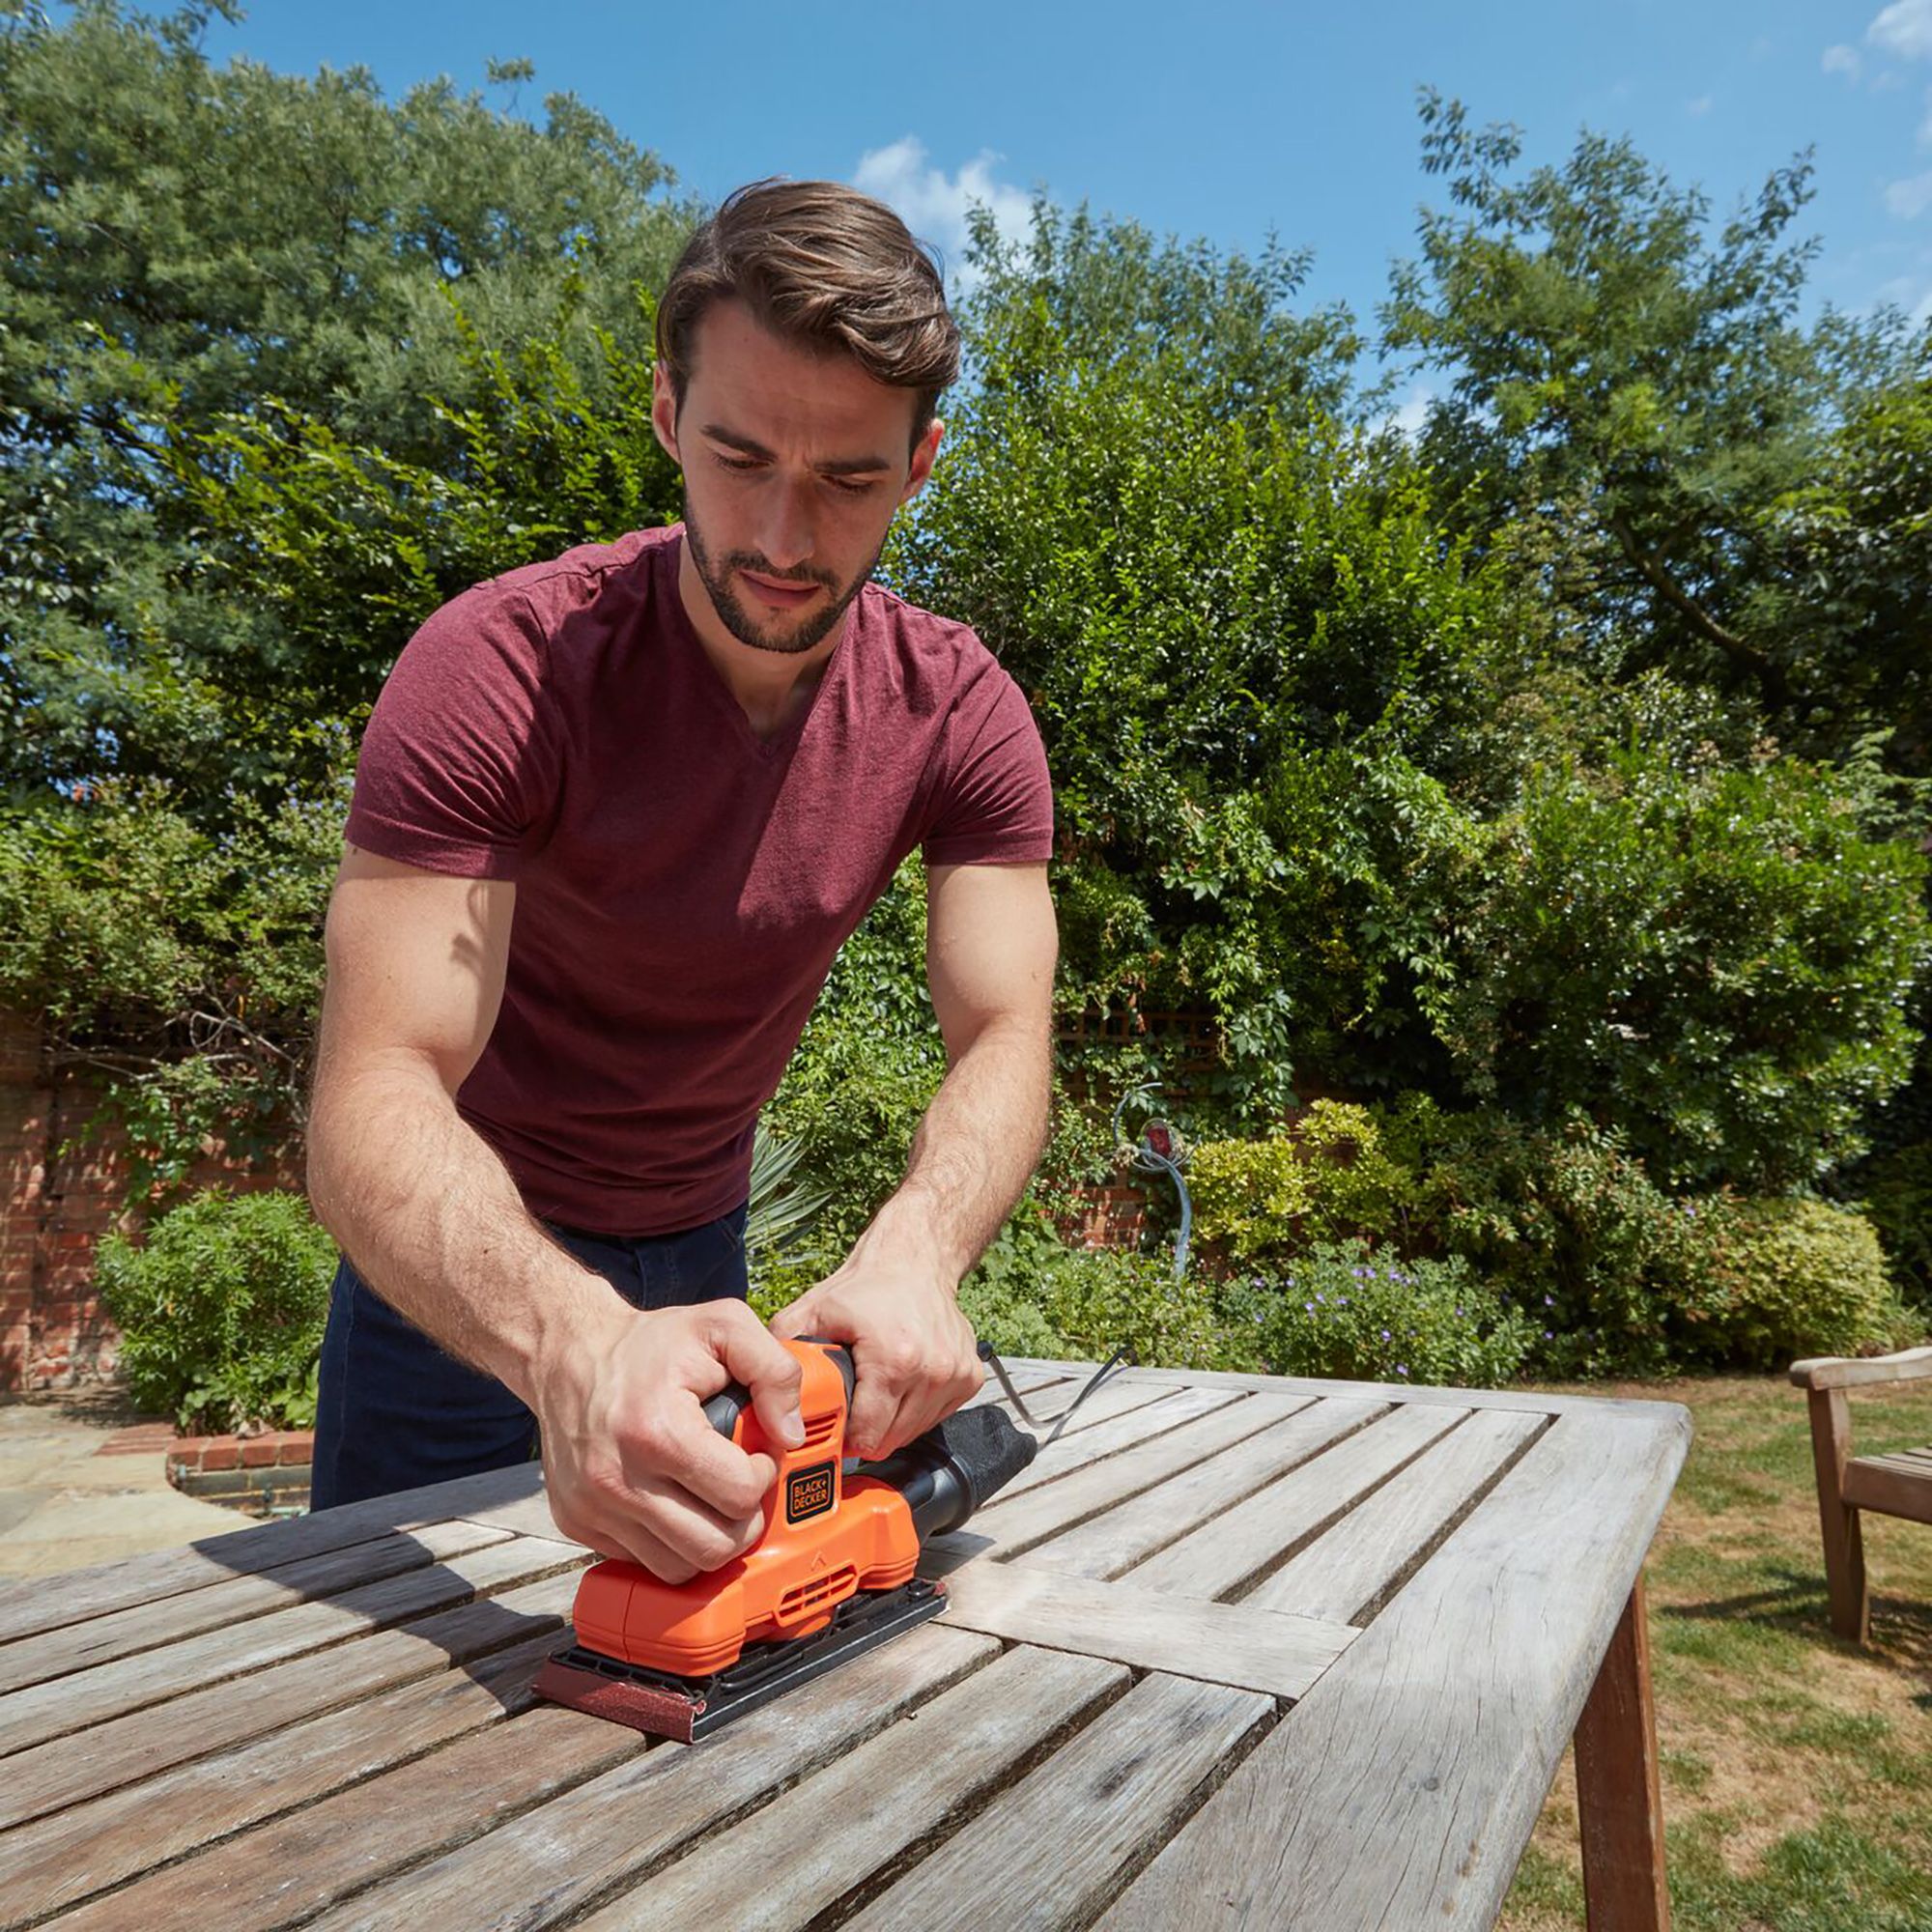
{"type": "Point", "coordinates": [458, 768]}
{"type": "Point", "coordinates": [994, 802]}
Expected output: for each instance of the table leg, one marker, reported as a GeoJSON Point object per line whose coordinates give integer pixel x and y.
{"type": "Point", "coordinates": [1619, 1804]}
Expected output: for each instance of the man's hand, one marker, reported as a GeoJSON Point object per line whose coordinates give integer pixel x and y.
{"type": "Point", "coordinates": [632, 1467]}
{"type": "Point", "coordinates": [913, 1351]}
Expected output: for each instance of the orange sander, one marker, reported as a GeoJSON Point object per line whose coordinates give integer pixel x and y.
{"type": "Point", "coordinates": [829, 1576]}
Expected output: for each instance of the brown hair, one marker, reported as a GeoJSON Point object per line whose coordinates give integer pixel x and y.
{"type": "Point", "coordinates": [827, 267]}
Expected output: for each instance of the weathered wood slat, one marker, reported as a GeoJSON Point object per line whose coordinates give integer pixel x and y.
{"type": "Point", "coordinates": [543, 1867]}
{"type": "Point", "coordinates": [780, 1868]}
{"type": "Point", "coordinates": [1220, 1643]}
{"type": "Point", "coordinates": [26, 1609]}
{"type": "Point", "coordinates": [277, 1873]}
{"type": "Point", "coordinates": [1078, 1449]}
{"type": "Point", "coordinates": [94, 1847]}
{"type": "Point", "coordinates": [1829, 1371]}
{"type": "Point", "coordinates": [1016, 1521]}
{"type": "Point", "coordinates": [1519, 1398]}
{"type": "Point", "coordinates": [109, 1689]}
{"type": "Point", "coordinates": [1891, 1486]}
{"type": "Point", "coordinates": [1342, 1574]}
{"type": "Point", "coordinates": [1448, 1762]}
{"type": "Point", "coordinates": [86, 1764]}
{"type": "Point", "coordinates": [1048, 1854]}
{"type": "Point", "coordinates": [221, 1606]}
{"type": "Point", "coordinates": [1107, 1545]}
{"type": "Point", "coordinates": [1220, 1556]}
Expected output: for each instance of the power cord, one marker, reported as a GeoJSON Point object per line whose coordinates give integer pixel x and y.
{"type": "Point", "coordinates": [1121, 1358]}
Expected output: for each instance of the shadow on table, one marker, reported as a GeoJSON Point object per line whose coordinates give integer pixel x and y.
{"type": "Point", "coordinates": [398, 1567]}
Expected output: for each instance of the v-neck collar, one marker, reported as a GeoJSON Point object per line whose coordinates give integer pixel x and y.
{"type": "Point", "coordinates": [784, 741]}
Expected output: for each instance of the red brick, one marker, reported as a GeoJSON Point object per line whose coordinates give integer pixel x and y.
{"type": "Point", "coordinates": [223, 1452]}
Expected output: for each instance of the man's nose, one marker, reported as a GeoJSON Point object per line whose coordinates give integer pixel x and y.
{"type": "Point", "coordinates": [787, 535]}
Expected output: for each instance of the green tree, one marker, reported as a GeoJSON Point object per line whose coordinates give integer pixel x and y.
{"type": "Point", "coordinates": [143, 299]}
{"type": "Point", "coordinates": [1639, 383]}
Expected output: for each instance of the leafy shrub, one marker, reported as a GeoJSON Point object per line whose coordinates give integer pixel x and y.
{"type": "Point", "coordinates": [1346, 1310]}
{"type": "Point", "coordinates": [1332, 1179]}
{"type": "Point", "coordinates": [1033, 1295]}
{"type": "Point", "coordinates": [1799, 1277]}
{"type": "Point", "coordinates": [221, 1310]}
{"type": "Point", "coordinates": [1715, 961]}
{"type": "Point", "coordinates": [1567, 1224]}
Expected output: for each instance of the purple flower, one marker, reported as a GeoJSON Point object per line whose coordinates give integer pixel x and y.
{"type": "Point", "coordinates": [1402, 1368]}
{"type": "Point", "coordinates": [1309, 1307]}
{"type": "Point", "coordinates": [1549, 1301]}
{"type": "Point", "coordinates": [1547, 1336]}
{"type": "Point", "coordinates": [1386, 1334]}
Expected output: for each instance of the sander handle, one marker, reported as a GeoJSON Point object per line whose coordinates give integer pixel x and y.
{"type": "Point", "coordinates": [723, 1409]}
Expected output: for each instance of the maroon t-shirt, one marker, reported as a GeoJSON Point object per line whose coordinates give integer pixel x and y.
{"type": "Point", "coordinates": [681, 886]}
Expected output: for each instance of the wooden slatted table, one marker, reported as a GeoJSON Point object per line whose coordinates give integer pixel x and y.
{"type": "Point", "coordinates": [1237, 1651]}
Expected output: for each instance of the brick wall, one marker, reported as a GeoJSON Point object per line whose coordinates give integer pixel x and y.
{"type": "Point", "coordinates": [56, 1203]}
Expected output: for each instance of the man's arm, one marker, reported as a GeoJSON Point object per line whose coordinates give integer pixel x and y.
{"type": "Point", "coordinates": [432, 1221]}
{"type": "Point", "coordinates": [990, 946]}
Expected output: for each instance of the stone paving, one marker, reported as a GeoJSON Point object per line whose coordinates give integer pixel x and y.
{"type": "Point", "coordinates": [83, 1480]}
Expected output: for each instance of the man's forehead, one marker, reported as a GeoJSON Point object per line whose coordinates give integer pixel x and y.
{"type": "Point", "coordinates": [756, 383]}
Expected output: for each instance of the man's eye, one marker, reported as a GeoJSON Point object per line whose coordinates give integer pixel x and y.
{"type": "Point", "coordinates": [736, 462]}
{"type": "Point", "coordinates": [848, 488]}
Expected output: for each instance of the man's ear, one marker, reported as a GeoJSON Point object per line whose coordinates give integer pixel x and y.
{"type": "Point", "coordinates": [923, 453]}
{"type": "Point", "coordinates": [664, 413]}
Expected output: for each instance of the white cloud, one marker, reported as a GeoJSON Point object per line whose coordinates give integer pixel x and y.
{"type": "Point", "coordinates": [1843, 60]}
{"type": "Point", "coordinates": [1925, 126]}
{"type": "Point", "coordinates": [934, 203]}
{"type": "Point", "coordinates": [1700, 106]}
{"type": "Point", "coordinates": [1910, 197]}
{"type": "Point", "coordinates": [1905, 27]}
{"type": "Point", "coordinates": [1411, 414]}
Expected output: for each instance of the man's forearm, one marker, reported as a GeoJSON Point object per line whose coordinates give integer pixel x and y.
{"type": "Point", "coordinates": [432, 1220]}
{"type": "Point", "coordinates": [972, 1157]}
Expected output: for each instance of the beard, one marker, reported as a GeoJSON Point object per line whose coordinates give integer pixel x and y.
{"type": "Point", "coordinates": [813, 629]}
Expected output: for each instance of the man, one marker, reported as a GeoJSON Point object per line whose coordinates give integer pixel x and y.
{"type": "Point", "coordinates": [613, 818]}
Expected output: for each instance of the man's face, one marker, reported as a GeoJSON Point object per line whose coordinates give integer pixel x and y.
{"type": "Point", "coordinates": [794, 466]}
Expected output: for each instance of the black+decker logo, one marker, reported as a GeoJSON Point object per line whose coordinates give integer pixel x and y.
{"type": "Point", "coordinates": [810, 1493]}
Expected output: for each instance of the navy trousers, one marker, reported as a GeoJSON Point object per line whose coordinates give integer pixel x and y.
{"type": "Point", "coordinates": [394, 1411]}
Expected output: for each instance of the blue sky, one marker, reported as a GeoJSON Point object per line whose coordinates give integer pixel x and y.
{"type": "Point", "coordinates": [1228, 121]}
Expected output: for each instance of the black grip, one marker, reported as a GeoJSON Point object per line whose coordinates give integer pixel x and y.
{"type": "Point", "coordinates": [723, 1408]}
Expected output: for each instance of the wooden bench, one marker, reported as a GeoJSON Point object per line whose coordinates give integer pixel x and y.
{"type": "Point", "coordinates": [1894, 1484]}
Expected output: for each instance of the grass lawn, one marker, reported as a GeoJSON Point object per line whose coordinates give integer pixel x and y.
{"type": "Point", "coordinates": [1796, 1770]}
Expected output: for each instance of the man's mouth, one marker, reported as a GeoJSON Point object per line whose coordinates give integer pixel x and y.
{"type": "Point", "coordinates": [781, 593]}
